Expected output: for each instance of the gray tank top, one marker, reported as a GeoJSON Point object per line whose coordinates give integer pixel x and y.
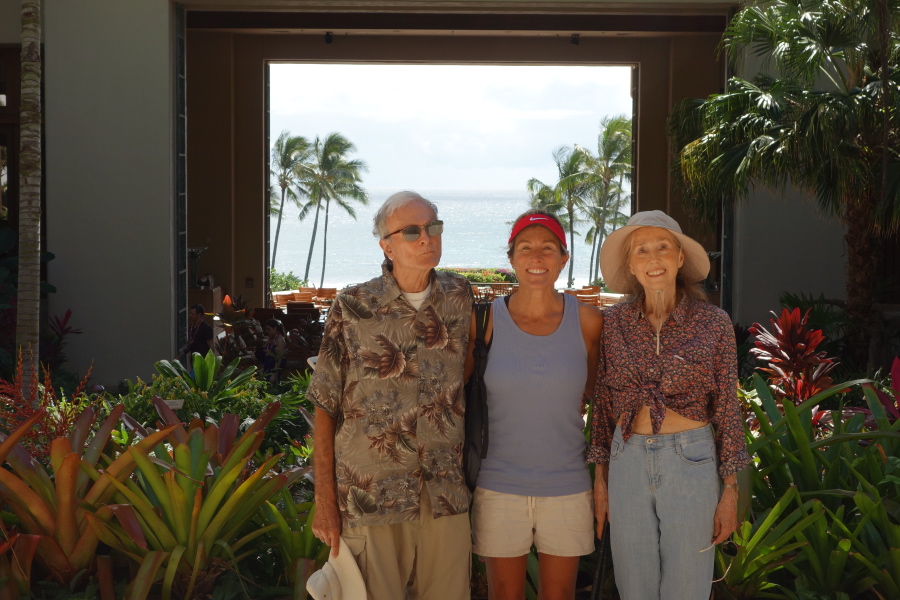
{"type": "Point", "coordinates": [534, 388]}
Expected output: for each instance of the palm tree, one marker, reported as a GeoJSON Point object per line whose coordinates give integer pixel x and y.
{"type": "Point", "coordinates": [605, 216]}
{"type": "Point", "coordinates": [606, 174]}
{"type": "Point", "coordinates": [825, 122]}
{"type": "Point", "coordinates": [29, 296]}
{"type": "Point", "coordinates": [288, 153]}
{"type": "Point", "coordinates": [546, 198]}
{"type": "Point", "coordinates": [566, 193]}
{"type": "Point", "coordinates": [330, 175]}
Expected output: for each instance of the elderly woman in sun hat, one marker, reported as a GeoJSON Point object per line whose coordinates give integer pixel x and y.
{"type": "Point", "coordinates": [534, 486]}
{"type": "Point", "coordinates": [667, 433]}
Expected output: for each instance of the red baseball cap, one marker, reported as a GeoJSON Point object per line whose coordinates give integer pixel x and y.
{"type": "Point", "coordinates": [542, 220]}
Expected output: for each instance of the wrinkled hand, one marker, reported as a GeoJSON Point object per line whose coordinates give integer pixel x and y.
{"type": "Point", "coordinates": [601, 505]}
{"type": "Point", "coordinates": [726, 520]}
{"type": "Point", "coordinates": [327, 523]}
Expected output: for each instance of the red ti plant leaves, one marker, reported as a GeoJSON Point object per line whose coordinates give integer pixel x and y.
{"type": "Point", "coordinates": [892, 404]}
{"type": "Point", "coordinates": [794, 369]}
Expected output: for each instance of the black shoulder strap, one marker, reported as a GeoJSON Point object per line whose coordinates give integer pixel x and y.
{"type": "Point", "coordinates": [482, 313]}
{"type": "Point", "coordinates": [478, 402]}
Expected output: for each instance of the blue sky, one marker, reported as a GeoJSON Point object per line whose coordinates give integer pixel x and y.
{"type": "Point", "coordinates": [450, 126]}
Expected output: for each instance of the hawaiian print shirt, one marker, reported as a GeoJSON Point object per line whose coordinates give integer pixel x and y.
{"type": "Point", "coordinates": [695, 374]}
{"type": "Point", "coordinates": [392, 377]}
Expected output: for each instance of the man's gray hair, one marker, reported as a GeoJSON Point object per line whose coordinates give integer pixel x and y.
{"type": "Point", "coordinates": [393, 203]}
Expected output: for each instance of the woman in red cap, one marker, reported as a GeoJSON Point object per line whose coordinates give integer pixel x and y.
{"type": "Point", "coordinates": [534, 487]}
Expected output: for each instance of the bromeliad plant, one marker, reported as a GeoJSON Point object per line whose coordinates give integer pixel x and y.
{"type": "Point", "coordinates": [55, 542]}
{"type": "Point", "coordinates": [184, 518]}
{"type": "Point", "coordinates": [212, 390]}
{"type": "Point", "coordinates": [290, 532]}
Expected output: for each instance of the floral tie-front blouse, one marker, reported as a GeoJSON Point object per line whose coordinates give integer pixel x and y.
{"type": "Point", "coordinates": [694, 374]}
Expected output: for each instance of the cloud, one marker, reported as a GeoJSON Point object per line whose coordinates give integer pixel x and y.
{"type": "Point", "coordinates": [450, 125]}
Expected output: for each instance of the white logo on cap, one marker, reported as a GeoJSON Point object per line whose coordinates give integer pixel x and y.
{"type": "Point", "coordinates": [538, 218]}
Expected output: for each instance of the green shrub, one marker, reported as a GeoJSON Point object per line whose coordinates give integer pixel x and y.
{"type": "Point", "coordinates": [484, 275]}
{"type": "Point", "coordinates": [279, 282]}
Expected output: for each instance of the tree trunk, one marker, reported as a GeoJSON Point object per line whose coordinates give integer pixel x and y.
{"type": "Point", "coordinates": [591, 262]}
{"type": "Point", "coordinates": [278, 228]}
{"type": "Point", "coordinates": [571, 209]}
{"type": "Point", "coordinates": [312, 240]}
{"type": "Point", "coordinates": [862, 264]}
{"type": "Point", "coordinates": [602, 235]}
{"type": "Point", "coordinates": [28, 304]}
{"type": "Point", "coordinates": [325, 241]}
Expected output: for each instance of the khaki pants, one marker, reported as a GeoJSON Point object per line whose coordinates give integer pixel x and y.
{"type": "Point", "coordinates": [428, 559]}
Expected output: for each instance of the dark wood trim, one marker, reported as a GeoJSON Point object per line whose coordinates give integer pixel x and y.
{"type": "Point", "coordinates": [287, 21]}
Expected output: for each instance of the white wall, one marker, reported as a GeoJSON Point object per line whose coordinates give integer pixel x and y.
{"type": "Point", "coordinates": [109, 180]}
{"type": "Point", "coordinates": [784, 244]}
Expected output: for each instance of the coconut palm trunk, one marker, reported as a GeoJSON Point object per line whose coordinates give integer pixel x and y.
{"type": "Point", "coordinates": [861, 246]}
{"type": "Point", "coordinates": [29, 295]}
{"type": "Point", "coordinates": [288, 154]}
{"type": "Point", "coordinates": [591, 262]}
{"type": "Point", "coordinates": [325, 242]}
{"type": "Point", "coordinates": [571, 210]}
{"type": "Point", "coordinates": [599, 236]}
{"type": "Point", "coordinates": [278, 227]}
{"type": "Point", "coordinates": [312, 240]}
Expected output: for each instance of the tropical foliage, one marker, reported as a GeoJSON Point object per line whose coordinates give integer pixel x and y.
{"type": "Point", "coordinates": [822, 519]}
{"type": "Point", "coordinates": [590, 189]}
{"type": "Point", "coordinates": [288, 154]}
{"type": "Point", "coordinates": [484, 275]}
{"type": "Point", "coordinates": [311, 174]}
{"type": "Point", "coordinates": [821, 117]}
{"type": "Point", "coordinates": [284, 281]}
{"type": "Point", "coordinates": [608, 183]}
{"type": "Point", "coordinates": [331, 176]}
{"type": "Point", "coordinates": [189, 503]}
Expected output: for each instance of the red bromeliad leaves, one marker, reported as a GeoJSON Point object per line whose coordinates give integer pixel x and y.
{"type": "Point", "coordinates": [892, 405]}
{"type": "Point", "coordinates": [795, 370]}
{"type": "Point", "coordinates": [16, 409]}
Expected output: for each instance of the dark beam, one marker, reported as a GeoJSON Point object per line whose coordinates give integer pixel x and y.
{"type": "Point", "coordinates": [456, 22]}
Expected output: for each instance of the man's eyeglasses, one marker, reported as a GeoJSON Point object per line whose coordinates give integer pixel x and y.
{"type": "Point", "coordinates": [412, 232]}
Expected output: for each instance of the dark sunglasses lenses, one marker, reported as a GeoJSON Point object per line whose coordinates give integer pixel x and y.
{"type": "Point", "coordinates": [412, 233]}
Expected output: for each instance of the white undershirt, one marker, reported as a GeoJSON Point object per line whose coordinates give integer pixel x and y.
{"type": "Point", "coordinates": [417, 298]}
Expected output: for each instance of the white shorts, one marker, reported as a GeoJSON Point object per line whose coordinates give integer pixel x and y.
{"type": "Point", "coordinates": [506, 525]}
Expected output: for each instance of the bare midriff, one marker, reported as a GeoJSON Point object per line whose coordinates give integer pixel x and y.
{"type": "Point", "coordinates": [672, 423]}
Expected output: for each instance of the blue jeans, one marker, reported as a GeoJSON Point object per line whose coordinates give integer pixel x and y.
{"type": "Point", "coordinates": [663, 491]}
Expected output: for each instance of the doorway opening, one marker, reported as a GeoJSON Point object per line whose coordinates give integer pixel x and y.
{"type": "Point", "coordinates": [484, 142]}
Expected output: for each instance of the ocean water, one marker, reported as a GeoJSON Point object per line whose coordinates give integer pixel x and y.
{"type": "Point", "coordinates": [476, 227]}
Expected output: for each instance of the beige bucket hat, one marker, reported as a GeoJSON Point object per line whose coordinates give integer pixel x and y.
{"type": "Point", "coordinates": [338, 579]}
{"type": "Point", "coordinates": [613, 261]}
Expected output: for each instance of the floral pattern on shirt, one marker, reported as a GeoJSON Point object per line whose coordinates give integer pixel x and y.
{"type": "Point", "coordinates": [392, 378]}
{"type": "Point", "coordinates": [695, 375]}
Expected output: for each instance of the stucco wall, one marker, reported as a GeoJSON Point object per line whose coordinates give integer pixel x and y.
{"type": "Point", "coordinates": [109, 180]}
{"type": "Point", "coordinates": [784, 244]}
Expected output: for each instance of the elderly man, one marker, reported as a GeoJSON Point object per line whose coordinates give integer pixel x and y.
{"type": "Point", "coordinates": [388, 390]}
